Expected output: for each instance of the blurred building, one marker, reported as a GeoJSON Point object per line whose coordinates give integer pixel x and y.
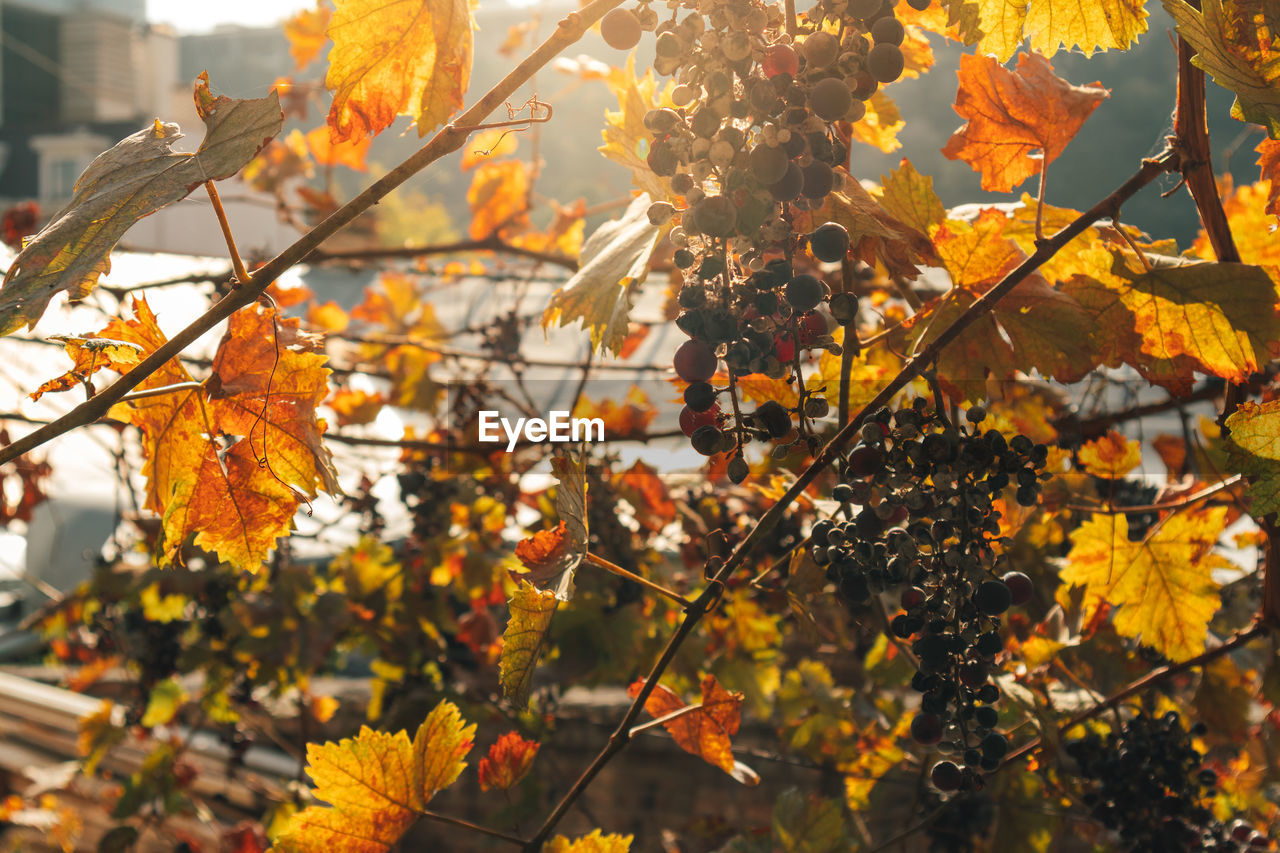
{"type": "Point", "coordinates": [77, 76]}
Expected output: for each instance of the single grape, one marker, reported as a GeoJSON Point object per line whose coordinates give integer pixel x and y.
{"type": "Point", "coordinates": [919, 5]}
{"type": "Point", "coordinates": [780, 59]}
{"type": "Point", "coordinates": [700, 396]}
{"type": "Point", "coordinates": [946, 776]}
{"type": "Point", "coordinates": [621, 29]}
{"type": "Point", "coordinates": [885, 62]}
{"type": "Point", "coordinates": [738, 469]}
{"type": "Point", "coordinates": [888, 31]}
{"type": "Point", "coordinates": [1020, 588]}
{"type": "Point", "coordinates": [926, 729]}
{"type": "Point", "coordinates": [993, 597]}
{"type": "Point", "coordinates": [768, 163]}
{"type": "Point", "coordinates": [829, 242]}
{"type": "Point", "coordinates": [715, 216]}
{"type": "Point", "coordinates": [995, 745]}
{"type": "Point", "coordinates": [844, 307]}
{"type": "Point", "coordinates": [820, 49]}
{"type": "Point", "coordinates": [829, 99]}
{"type": "Point", "coordinates": [695, 361]}
{"type": "Point", "coordinates": [804, 292]}
{"type": "Point", "coordinates": [691, 420]}
{"type": "Point", "coordinates": [986, 716]}
{"type": "Point", "coordinates": [774, 417]}
{"type": "Point", "coordinates": [819, 178]}
{"type": "Point", "coordinates": [706, 440]}
{"type": "Point", "coordinates": [865, 8]}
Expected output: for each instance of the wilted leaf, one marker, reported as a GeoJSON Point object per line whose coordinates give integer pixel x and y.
{"type": "Point", "coordinates": [377, 784]}
{"type": "Point", "coordinates": [90, 355]}
{"type": "Point", "coordinates": [1254, 450]}
{"type": "Point", "coordinates": [390, 57]}
{"type": "Point", "coordinates": [133, 179]}
{"type": "Point", "coordinates": [808, 824]}
{"type": "Point", "coordinates": [1239, 47]}
{"type": "Point", "coordinates": [615, 258]}
{"type": "Point", "coordinates": [1111, 456]}
{"type": "Point", "coordinates": [305, 31]}
{"type": "Point", "coordinates": [524, 639]}
{"type": "Point", "coordinates": [999, 26]}
{"type": "Point", "coordinates": [1012, 113]}
{"type": "Point", "coordinates": [704, 731]}
{"type": "Point", "coordinates": [1162, 586]}
{"type": "Point", "coordinates": [508, 762]}
{"type": "Point", "coordinates": [596, 842]}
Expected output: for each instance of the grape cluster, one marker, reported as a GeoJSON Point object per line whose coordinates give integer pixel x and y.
{"type": "Point", "coordinates": [928, 525]}
{"type": "Point", "coordinates": [1146, 781]}
{"type": "Point", "coordinates": [752, 140]}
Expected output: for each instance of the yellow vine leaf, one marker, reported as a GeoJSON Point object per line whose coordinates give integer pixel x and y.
{"type": "Point", "coordinates": [90, 355]}
{"type": "Point", "coordinates": [999, 26]}
{"type": "Point", "coordinates": [1162, 586]}
{"type": "Point", "coordinates": [879, 127]}
{"type": "Point", "coordinates": [498, 198]}
{"type": "Point", "coordinates": [626, 140]}
{"type": "Point", "coordinates": [1111, 456]}
{"type": "Point", "coordinates": [1253, 448]}
{"type": "Point", "coordinates": [524, 639]}
{"type": "Point", "coordinates": [391, 57]}
{"type": "Point", "coordinates": [596, 842]}
{"type": "Point", "coordinates": [1237, 43]}
{"type": "Point", "coordinates": [909, 196]}
{"type": "Point", "coordinates": [377, 784]}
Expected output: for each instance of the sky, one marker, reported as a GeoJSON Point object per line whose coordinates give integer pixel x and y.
{"type": "Point", "coordinates": [194, 17]}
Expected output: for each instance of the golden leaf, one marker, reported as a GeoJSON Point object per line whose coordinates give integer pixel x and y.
{"type": "Point", "coordinates": [879, 127]}
{"type": "Point", "coordinates": [377, 784]}
{"type": "Point", "coordinates": [1162, 586]}
{"type": "Point", "coordinates": [1111, 456]}
{"type": "Point", "coordinates": [524, 639]}
{"type": "Point", "coordinates": [391, 58]}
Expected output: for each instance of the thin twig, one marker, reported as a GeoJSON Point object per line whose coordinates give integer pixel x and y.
{"type": "Point", "coordinates": [601, 562]}
{"type": "Point", "coordinates": [237, 265]}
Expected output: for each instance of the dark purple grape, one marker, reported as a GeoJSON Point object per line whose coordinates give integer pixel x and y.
{"type": "Point", "coordinates": [829, 99]}
{"type": "Point", "coordinates": [695, 361]}
{"type": "Point", "coordinates": [992, 598]}
{"type": "Point", "coordinates": [804, 292]}
{"type": "Point", "coordinates": [818, 180]}
{"type": "Point", "coordinates": [888, 31]}
{"type": "Point", "coordinates": [768, 163]}
{"type": "Point", "coordinates": [1020, 588]}
{"type": "Point", "coordinates": [926, 729]}
{"type": "Point", "coordinates": [946, 776]}
{"type": "Point", "coordinates": [829, 243]}
{"type": "Point", "coordinates": [885, 62]}
{"type": "Point", "coordinates": [789, 186]}
{"type": "Point", "coordinates": [706, 440]}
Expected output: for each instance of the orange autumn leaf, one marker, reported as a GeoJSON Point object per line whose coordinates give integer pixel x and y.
{"type": "Point", "coordinates": [1013, 113]}
{"type": "Point", "coordinates": [378, 784]}
{"type": "Point", "coordinates": [499, 198]}
{"type": "Point", "coordinates": [704, 731]}
{"type": "Point", "coordinates": [1111, 456]}
{"type": "Point", "coordinates": [391, 58]}
{"type": "Point", "coordinates": [330, 153]}
{"type": "Point", "coordinates": [305, 32]}
{"type": "Point", "coordinates": [356, 407]}
{"type": "Point", "coordinates": [278, 162]}
{"type": "Point", "coordinates": [879, 127]}
{"type": "Point", "coordinates": [545, 551]}
{"type": "Point", "coordinates": [644, 490]}
{"type": "Point", "coordinates": [287, 297]}
{"type": "Point", "coordinates": [1269, 164]}
{"type": "Point", "coordinates": [489, 145]}
{"type": "Point", "coordinates": [508, 761]}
